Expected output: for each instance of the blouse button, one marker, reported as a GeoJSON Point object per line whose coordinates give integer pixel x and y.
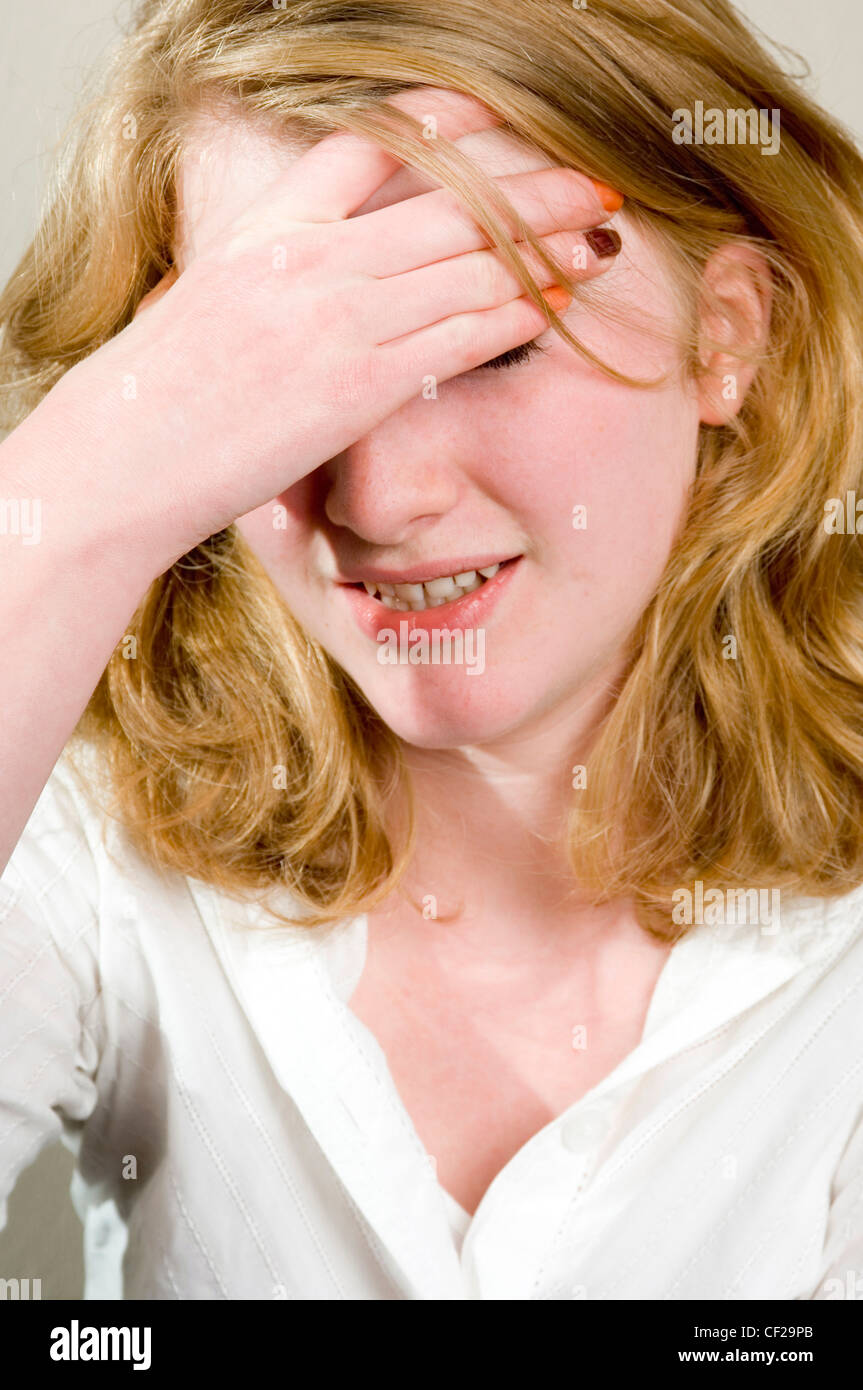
{"type": "Point", "coordinates": [580, 1132]}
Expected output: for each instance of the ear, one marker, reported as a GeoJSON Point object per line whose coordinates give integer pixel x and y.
{"type": "Point", "coordinates": [734, 319]}
{"type": "Point", "coordinates": [155, 294]}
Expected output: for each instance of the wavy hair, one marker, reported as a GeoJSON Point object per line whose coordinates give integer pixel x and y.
{"type": "Point", "coordinates": [239, 752]}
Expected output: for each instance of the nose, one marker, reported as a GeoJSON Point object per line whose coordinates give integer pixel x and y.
{"type": "Point", "coordinates": [396, 481]}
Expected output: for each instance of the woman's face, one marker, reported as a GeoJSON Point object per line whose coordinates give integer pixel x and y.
{"type": "Point", "coordinates": [579, 481]}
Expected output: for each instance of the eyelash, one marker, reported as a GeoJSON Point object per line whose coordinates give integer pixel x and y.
{"type": "Point", "coordinates": [513, 358]}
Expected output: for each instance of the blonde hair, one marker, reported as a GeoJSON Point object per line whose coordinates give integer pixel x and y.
{"type": "Point", "coordinates": [729, 771]}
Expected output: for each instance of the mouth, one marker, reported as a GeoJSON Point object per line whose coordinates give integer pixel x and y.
{"type": "Point", "coordinates": [442, 591]}
{"type": "Point", "coordinates": [460, 600]}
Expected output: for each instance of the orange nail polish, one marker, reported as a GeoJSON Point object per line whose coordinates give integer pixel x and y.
{"type": "Point", "coordinates": [557, 298]}
{"type": "Point", "coordinates": [611, 200]}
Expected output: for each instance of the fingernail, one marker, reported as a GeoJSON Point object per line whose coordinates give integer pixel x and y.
{"type": "Point", "coordinates": [557, 298]}
{"type": "Point", "coordinates": [603, 241]}
{"type": "Point", "coordinates": [611, 200]}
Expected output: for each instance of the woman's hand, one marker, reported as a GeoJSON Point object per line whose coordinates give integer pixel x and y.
{"type": "Point", "coordinates": [303, 327]}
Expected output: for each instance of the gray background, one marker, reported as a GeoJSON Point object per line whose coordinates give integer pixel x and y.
{"type": "Point", "coordinates": [46, 51]}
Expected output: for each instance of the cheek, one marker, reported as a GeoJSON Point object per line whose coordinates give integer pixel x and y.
{"type": "Point", "coordinates": [279, 530]}
{"type": "Point", "coordinates": [592, 469]}
{"type": "Point", "coordinates": [635, 467]}
{"type": "Point", "coordinates": [261, 531]}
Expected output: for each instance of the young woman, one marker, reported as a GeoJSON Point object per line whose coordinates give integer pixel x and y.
{"type": "Point", "coordinates": [432, 737]}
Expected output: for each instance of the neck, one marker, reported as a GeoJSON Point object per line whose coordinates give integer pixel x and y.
{"type": "Point", "coordinates": [491, 858]}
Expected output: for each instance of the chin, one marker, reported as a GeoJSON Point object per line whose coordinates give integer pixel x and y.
{"type": "Point", "coordinates": [451, 718]}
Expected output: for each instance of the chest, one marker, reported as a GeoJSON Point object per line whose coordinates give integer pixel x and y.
{"type": "Point", "coordinates": [482, 1066]}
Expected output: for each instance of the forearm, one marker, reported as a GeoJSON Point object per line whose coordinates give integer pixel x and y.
{"type": "Point", "coordinates": [69, 581]}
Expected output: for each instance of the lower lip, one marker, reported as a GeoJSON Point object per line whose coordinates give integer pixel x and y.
{"type": "Point", "coordinates": [469, 611]}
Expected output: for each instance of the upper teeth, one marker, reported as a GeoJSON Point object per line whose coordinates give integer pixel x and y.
{"type": "Point", "coordinates": [431, 594]}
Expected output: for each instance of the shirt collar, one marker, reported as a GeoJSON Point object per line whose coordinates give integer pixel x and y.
{"type": "Point", "coordinates": [294, 983]}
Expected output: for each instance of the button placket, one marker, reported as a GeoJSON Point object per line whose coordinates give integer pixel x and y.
{"type": "Point", "coordinates": [582, 1135]}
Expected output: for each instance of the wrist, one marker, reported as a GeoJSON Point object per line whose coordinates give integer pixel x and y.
{"type": "Point", "coordinates": [66, 474]}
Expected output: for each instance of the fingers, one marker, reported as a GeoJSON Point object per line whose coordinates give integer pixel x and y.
{"type": "Point", "coordinates": [434, 226]}
{"type": "Point", "coordinates": [478, 280]}
{"type": "Point", "coordinates": [341, 171]}
{"type": "Point", "coordinates": [495, 150]}
{"type": "Point", "coordinates": [461, 342]}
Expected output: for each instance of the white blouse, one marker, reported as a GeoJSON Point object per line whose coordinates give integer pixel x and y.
{"type": "Point", "coordinates": [239, 1136]}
